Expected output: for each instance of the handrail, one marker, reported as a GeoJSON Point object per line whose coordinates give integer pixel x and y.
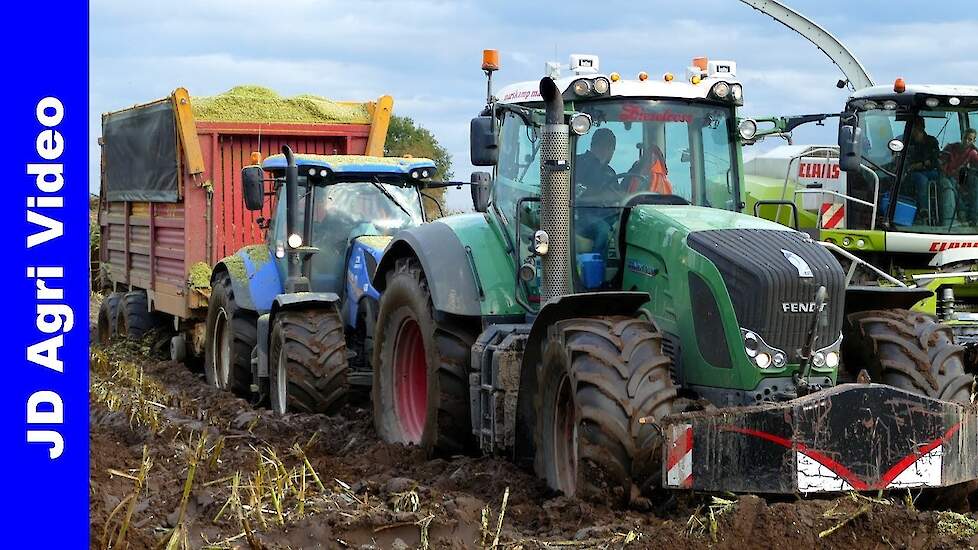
{"type": "Point", "coordinates": [856, 262]}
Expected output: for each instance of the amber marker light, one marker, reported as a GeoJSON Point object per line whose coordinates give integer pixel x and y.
{"type": "Point", "coordinates": [668, 77]}
{"type": "Point", "coordinates": [615, 77]}
{"type": "Point", "coordinates": [643, 76]}
{"type": "Point", "coordinates": [899, 85]}
{"type": "Point", "coordinates": [255, 157]}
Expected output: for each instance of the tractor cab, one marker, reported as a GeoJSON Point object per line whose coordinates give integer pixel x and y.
{"type": "Point", "coordinates": [919, 142]}
{"type": "Point", "coordinates": [663, 141]}
{"type": "Point", "coordinates": [357, 203]}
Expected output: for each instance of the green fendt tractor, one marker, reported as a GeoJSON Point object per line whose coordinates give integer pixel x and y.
{"type": "Point", "coordinates": [610, 317]}
{"type": "Point", "coordinates": [905, 197]}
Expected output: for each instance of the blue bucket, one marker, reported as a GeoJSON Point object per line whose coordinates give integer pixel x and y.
{"type": "Point", "coordinates": [905, 211]}
{"type": "Point", "coordinates": [592, 269]}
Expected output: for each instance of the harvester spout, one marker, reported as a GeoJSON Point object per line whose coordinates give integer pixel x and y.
{"type": "Point", "coordinates": [555, 205]}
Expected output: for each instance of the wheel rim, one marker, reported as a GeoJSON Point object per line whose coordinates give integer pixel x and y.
{"type": "Point", "coordinates": [220, 349]}
{"type": "Point", "coordinates": [281, 388]}
{"type": "Point", "coordinates": [410, 381]}
{"type": "Point", "coordinates": [565, 439]}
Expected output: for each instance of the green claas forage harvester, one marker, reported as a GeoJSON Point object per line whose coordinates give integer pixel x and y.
{"type": "Point", "coordinates": [905, 196]}
{"type": "Point", "coordinates": [611, 318]}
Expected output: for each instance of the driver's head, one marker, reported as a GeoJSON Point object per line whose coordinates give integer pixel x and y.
{"type": "Point", "coordinates": [603, 144]}
{"type": "Point", "coordinates": [969, 137]}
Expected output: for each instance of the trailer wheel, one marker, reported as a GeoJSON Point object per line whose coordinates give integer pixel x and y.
{"type": "Point", "coordinates": [910, 351]}
{"type": "Point", "coordinates": [308, 362]}
{"type": "Point", "coordinates": [107, 313]}
{"type": "Point", "coordinates": [598, 377]}
{"type": "Point", "coordinates": [133, 318]}
{"type": "Point", "coordinates": [421, 390]}
{"type": "Point", "coordinates": [231, 334]}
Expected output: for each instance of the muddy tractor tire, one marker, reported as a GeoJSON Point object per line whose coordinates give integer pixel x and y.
{"type": "Point", "coordinates": [597, 378]}
{"type": "Point", "coordinates": [107, 316]}
{"type": "Point", "coordinates": [231, 335]}
{"type": "Point", "coordinates": [420, 391]}
{"type": "Point", "coordinates": [133, 317]}
{"type": "Point", "coordinates": [307, 362]}
{"type": "Point", "coordinates": [910, 351]}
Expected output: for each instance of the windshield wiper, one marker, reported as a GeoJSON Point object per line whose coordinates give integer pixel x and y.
{"type": "Point", "coordinates": [392, 198]}
{"type": "Point", "coordinates": [878, 167]}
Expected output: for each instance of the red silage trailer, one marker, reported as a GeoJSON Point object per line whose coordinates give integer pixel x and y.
{"type": "Point", "coordinates": [170, 199]}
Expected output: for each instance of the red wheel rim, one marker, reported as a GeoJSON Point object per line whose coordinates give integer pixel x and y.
{"type": "Point", "coordinates": [410, 381]}
{"type": "Point", "coordinates": [565, 438]}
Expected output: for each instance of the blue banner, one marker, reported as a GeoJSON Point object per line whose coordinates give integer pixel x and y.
{"type": "Point", "coordinates": [44, 415]}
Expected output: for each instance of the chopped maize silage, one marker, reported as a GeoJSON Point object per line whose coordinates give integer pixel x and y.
{"type": "Point", "coordinates": [258, 104]}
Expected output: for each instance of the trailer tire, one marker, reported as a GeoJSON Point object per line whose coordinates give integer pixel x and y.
{"type": "Point", "coordinates": [420, 368]}
{"type": "Point", "coordinates": [308, 370]}
{"type": "Point", "coordinates": [597, 378]}
{"type": "Point", "coordinates": [107, 313]}
{"type": "Point", "coordinates": [910, 351]}
{"type": "Point", "coordinates": [230, 335]}
{"type": "Point", "coordinates": [133, 318]}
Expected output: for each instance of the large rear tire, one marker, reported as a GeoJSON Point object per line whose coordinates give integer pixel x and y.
{"type": "Point", "coordinates": [910, 351]}
{"type": "Point", "coordinates": [308, 367]}
{"type": "Point", "coordinates": [421, 389]}
{"type": "Point", "coordinates": [231, 335]}
{"type": "Point", "coordinates": [133, 318]}
{"type": "Point", "coordinates": [107, 316]}
{"type": "Point", "coordinates": [598, 377]}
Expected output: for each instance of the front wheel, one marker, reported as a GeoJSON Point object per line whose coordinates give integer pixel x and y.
{"type": "Point", "coordinates": [308, 368]}
{"type": "Point", "coordinates": [597, 378]}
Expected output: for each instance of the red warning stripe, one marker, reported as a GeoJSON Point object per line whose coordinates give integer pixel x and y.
{"type": "Point", "coordinates": [835, 217]}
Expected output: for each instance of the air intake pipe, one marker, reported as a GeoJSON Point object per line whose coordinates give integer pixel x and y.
{"type": "Point", "coordinates": [555, 204]}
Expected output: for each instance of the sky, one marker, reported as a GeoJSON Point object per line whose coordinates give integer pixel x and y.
{"type": "Point", "coordinates": [427, 53]}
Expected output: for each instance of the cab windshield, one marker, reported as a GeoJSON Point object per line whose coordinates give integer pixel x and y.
{"type": "Point", "coordinates": [342, 212]}
{"type": "Point", "coordinates": [679, 152]}
{"type": "Point", "coordinates": [934, 177]}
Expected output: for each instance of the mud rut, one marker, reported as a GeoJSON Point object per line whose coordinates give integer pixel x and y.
{"type": "Point", "coordinates": [373, 495]}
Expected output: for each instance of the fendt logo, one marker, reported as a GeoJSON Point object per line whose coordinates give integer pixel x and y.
{"type": "Point", "coordinates": [801, 307]}
{"type": "Point", "coordinates": [940, 246]}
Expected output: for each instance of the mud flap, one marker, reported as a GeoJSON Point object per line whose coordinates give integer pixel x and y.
{"type": "Point", "coordinates": [852, 437]}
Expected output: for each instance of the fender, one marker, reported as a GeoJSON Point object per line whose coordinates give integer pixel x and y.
{"type": "Point", "coordinates": [559, 309]}
{"type": "Point", "coordinates": [254, 278]}
{"type": "Point", "coordinates": [285, 302]}
{"type": "Point", "coordinates": [446, 263]}
{"type": "Point", "coordinates": [863, 298]}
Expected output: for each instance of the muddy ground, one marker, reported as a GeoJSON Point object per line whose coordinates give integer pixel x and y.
{"type": "Point", "coordinates": [257, 480]}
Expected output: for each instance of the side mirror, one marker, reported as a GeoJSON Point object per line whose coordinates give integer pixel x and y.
{"type": "Point", "coordinates": [482, 142]}
{"type": "Point", "coordinates": [252, 183]}
{"type": "Point", "coordinates": [481, 185]}
{"type": "Point", "coordinates": [850, 148]}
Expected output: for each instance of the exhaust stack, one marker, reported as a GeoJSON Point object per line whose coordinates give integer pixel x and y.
{"type": "Point", "coordinates": [555, 191]}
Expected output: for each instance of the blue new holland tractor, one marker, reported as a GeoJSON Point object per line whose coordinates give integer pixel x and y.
{"type": "Point", "coordinates": [290, 321]}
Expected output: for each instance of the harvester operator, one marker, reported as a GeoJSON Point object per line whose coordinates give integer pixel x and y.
{"type": "Point", "coordinates": [959, 165]}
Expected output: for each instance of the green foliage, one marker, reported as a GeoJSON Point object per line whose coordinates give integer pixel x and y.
{"type": "Point", "coordinates": [406, 138]}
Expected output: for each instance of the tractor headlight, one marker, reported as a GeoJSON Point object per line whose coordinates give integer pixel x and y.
{"type": "Point", "coordinates": [721, 90]}
{"type": "Point", "coordinates": [601, 85]}
{"type": "Point", "coordinates": [818, 359]}
{"type": "Point", "coordinates": [737, 92]}
{"type": "Point", "coordinates": [581, 123]}
{"type": "Point", "coordinates": [295, 240]}
{"type": "Point", "coordinates": [763, 354]}
{"type": "Point", "coordinates": [747, 129]}
{"type": "Point", "coordinates": [827, 357]}
{"type": "Point", "coordinates": [583, 87]}
{"type": "Point", "coordinates": [541, 242]}
{"type": "Point", "coordinates": [832, 359]}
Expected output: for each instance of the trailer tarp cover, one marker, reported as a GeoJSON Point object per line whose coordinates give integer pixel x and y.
{"type": "Point", "coordinates": [141, 154]}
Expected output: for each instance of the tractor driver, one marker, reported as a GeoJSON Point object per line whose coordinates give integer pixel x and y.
{"type": "Point", "coordinates": [959, 165]}
{"type": "Point", "coordinates": [922, 165]}
{"type": "Point", "coordinates": [597, 186]}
